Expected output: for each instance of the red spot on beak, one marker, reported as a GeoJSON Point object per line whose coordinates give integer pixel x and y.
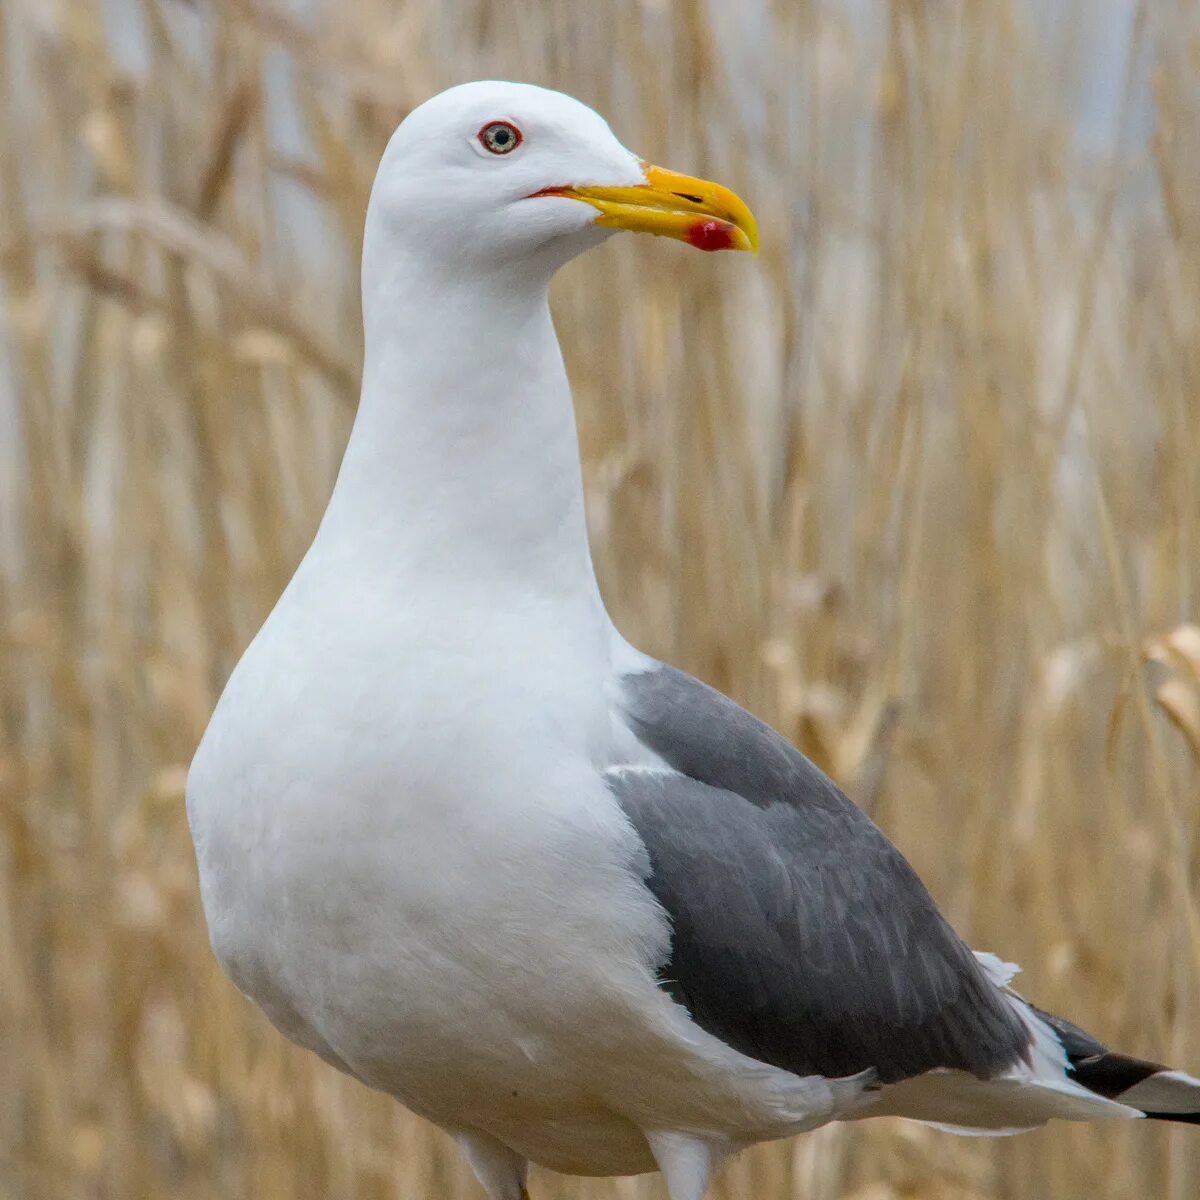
{"type": "Point", "coordinates": [710, 235]}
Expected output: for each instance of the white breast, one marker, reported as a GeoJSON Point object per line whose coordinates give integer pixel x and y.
{"type": "Point", "coordinates": [406, 854]}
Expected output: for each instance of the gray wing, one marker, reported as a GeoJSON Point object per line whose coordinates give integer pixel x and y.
{"type": "Point", "coordinates": [801, 936]}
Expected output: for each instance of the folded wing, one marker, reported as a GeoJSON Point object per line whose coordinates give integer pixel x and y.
{"type": "Point", "coordinates": [802, 937]}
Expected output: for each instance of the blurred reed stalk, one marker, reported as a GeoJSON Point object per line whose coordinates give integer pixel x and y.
{"type": "Point", "coordinates": [921, 486]}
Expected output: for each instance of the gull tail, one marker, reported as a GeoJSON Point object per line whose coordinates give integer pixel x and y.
{"type": "Point", "coordinates": [1091, 1080]}
{"type": "Point", "coordinates": [1066, 1074]}
{"type": "Point", "coordinates": [1155, 1091]}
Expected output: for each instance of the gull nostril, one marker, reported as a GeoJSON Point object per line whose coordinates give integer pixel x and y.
{"type": "Point", "coordinates": [688, 196]}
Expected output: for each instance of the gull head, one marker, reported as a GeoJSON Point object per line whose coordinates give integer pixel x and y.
{"type": "Point", "coordinates": [488, 174]}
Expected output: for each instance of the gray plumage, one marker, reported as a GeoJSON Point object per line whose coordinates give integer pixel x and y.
{"type": "Point", "coordinates": [801, 936]}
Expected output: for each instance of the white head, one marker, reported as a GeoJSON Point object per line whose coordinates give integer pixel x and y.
{"type": "Point", "coordinates": [464, 450]}
{"type": "Point", "coordinates": [494, 174]}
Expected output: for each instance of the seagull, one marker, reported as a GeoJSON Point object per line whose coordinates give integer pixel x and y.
{"type": "Point", "coordinates": [460, 839]}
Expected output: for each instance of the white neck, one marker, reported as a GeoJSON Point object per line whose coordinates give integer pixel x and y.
{"type": "Point", "coordinates": [463, 464]}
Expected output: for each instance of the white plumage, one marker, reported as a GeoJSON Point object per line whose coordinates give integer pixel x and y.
{"type": "Point", "coordinates": [416, 849]}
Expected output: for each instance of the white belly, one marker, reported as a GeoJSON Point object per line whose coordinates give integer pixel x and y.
{"type": "Point", "coordinates": [463, 937]}
{"type": "Point", "coordinates": [439, 896]}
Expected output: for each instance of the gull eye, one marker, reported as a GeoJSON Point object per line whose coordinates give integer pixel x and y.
{"type": "Point", "coordinates": [500, 137]}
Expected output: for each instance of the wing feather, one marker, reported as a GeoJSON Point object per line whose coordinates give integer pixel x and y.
{"type": "Point", "coordinates": [801, 936]}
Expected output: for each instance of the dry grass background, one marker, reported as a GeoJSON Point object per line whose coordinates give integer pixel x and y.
{"type": "Point", "coordinates": [921, 486]}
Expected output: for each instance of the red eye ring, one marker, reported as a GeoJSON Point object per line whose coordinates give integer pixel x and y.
{"type": "Point", "coordinates": [500, 137]}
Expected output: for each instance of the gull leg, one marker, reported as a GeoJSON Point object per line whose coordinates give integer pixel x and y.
{"type": "Point", "coordinates": [687, 1162]}
{"type": "Point", "coordinates": [501, 1170]}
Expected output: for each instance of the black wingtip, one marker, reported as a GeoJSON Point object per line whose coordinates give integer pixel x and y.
{"type": "Point", "coordinates": [1112, 1074]}
{"type": "Point", "coordinates": [1118, 1076]}
{"type": "Point", "coordinates": [1191, 1118]}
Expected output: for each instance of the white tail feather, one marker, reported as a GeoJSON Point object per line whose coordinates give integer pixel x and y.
{"type": "Point", "coordinates": [1165, 1092]}
{"type": "Point", "coordinates": [1050, 1081]}
{"type": "Point", "coordinates": [1025, 1096]}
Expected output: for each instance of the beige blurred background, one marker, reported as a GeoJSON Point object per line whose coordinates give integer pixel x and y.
{"type": "Point", "coordinates": [921, 486]}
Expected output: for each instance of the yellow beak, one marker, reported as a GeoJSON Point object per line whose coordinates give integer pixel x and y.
{"type": "Point", "coordinates": [703, 214]}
